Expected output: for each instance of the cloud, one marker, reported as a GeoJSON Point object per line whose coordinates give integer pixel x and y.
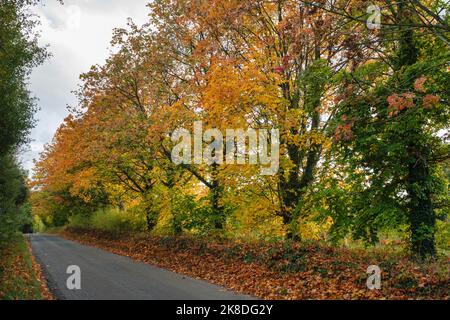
{"type": "Point", "coordinates": [78, 34]}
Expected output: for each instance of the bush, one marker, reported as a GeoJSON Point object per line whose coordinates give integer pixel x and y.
{"type": "Point", "coordinates": [111, 220]}
{"type": "Point", "coordinates": [443, 236]}
{"type": "Point", "coordinates": [79, 221]}
{"type": "Point", "coordinates": [14, 210]}
{"type": "Point", "coordinates": [38, 224]}
{"type": "Point", "coordinates": [193, 215]}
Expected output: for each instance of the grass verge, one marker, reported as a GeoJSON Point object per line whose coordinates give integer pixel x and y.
{"type": "Point", "coordinates": [20, 275]}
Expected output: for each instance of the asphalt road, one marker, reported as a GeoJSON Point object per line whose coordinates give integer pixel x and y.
{"type": "Point", "coordinates": [106, 276]}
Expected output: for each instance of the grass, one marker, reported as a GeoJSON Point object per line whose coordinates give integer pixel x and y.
{"type": "Point", "coordinates": [18, 277]}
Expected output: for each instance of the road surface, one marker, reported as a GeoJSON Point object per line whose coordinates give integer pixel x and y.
{"type": "Point", "coordinates": [106, 276]}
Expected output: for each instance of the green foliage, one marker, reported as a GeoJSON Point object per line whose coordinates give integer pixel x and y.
{"type": "Point", "coordinates": [315, 80]}
{"type": "Point", "coordinates": [79, 221]}
{"type": "Point", "coordinates": [443, 236]}
{"type": "Point", "coordinates": [393, 157]}
{"type": "Point", "coordinates": [111, 220]}
{"type": "Point", "coordinates": [118, 221]}
{"type": "Point", "coordinates": [19, 52]}
{"type": "Point", "coordinates": [14, 211]}
{"type": "Point", "coordinates": [38, 225]}
{"type": "Point", "coordinates": [191, 215]}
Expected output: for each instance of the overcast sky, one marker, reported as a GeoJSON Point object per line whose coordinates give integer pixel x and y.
{"type": "Point", "coordinates": [78, 34]}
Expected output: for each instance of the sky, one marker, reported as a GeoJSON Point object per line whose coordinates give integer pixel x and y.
{"type": "Point", "coordinates": [78, 35]}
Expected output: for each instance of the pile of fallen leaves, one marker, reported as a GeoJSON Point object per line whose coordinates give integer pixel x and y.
{"type": "Point", "coordinates": [20, 275]}
{"type": "Point", "coordinates": [281, 270]}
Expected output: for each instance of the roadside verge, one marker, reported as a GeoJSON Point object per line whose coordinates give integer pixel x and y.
{"type": "Point", "coordinates": [20, 275]}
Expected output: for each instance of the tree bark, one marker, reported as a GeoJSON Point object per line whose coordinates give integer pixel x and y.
{"type": "Point", "coordinates": [422, 217]}
{"type": "Point", "coordinates": [216, 194]}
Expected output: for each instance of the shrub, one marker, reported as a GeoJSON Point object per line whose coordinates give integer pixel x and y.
{"type": "Point", "coordinates": [14, 210]}
{"type": "Point", "coordinates": [38, 224]}
{"type": "Point", "coordinates": [117, 221]}
{"type": "Point", "coordinates": [443, 236]}
{"type": "Point", "coordinates": [79, 221]}
{"type": "Point", "coordinates": [111, 220]}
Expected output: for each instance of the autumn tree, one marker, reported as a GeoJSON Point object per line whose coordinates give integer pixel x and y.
{"type": "Point", "coordinates": [274, 64]}
{"type": "Point", "coordinates": [362, 114]}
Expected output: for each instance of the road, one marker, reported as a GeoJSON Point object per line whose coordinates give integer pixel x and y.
{"type": "Point", "coordinates": [106, 276]}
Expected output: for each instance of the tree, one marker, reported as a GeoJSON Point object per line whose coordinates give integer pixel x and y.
{"type": "Point", "coordinates": [13, 197]}
{"type": "Point", "coordinates": [361, 114]}
{"type": "Point", "coordinates": [392, 116]}
{"type": "Point", "coordinates": [19, 53]}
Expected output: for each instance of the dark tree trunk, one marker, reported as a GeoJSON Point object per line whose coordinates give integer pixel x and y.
{"type": "Point", "coordinates": [177, 226]}
{"type": "Point", "coordinates": [216, 194]}
{"type": "Point", "coordinates": [177, 229]}
{"type": "Point", "coordinates": [150, 222]}
{"type": "Point", "coordinates": [422, 217]}
{"type": "Point", "coordinates": [293, 187]}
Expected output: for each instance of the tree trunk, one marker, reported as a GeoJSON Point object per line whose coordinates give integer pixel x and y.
{"type": "Point", "coordinates": [216, 194]}
{"type": "Point", "coordinates": [422, 217]}
{"type": "Point", "coordinates": [292, 188]}
{"type": "Point", "coordinates": [150, 222]}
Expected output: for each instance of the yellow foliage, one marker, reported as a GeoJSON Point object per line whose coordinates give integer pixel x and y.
{"type": "Point", "coordinates": [312, 230]}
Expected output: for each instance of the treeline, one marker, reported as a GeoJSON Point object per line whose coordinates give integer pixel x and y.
{"type": "Point", "coordinates": [19, 53]}
{"type": "Point", "coordinates": [362, 109]}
